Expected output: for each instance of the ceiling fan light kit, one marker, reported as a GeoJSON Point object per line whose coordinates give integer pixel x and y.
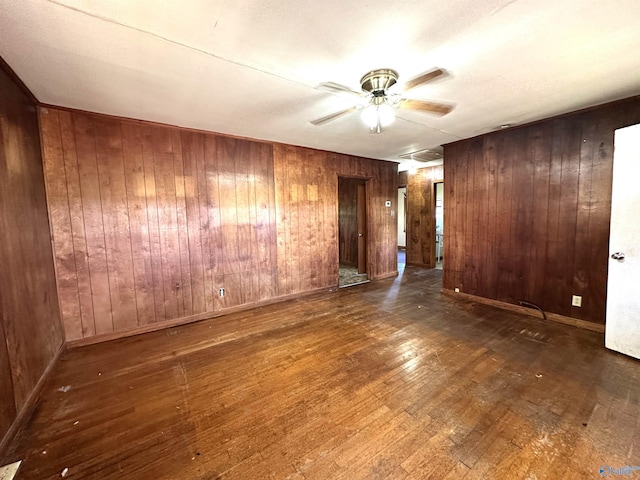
{"type": "Point", "coordinates": [380, 103]}
{"type": "Point", "coordinates": [378, 116]}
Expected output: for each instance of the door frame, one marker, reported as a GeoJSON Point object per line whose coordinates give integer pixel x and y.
{"type": "Point", "coordinates": [435, 205]}
{"type": "Point", "coordinates": [363, 225]}
{"type": "Point", "coordinates": [368, 229]}
{"type": "Point", "coordinates": [418, 184]}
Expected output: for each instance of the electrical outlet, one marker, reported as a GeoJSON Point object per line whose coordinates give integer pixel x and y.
{"type": "Point", "coordinates": [221, 291]}
{"type": "Point", "coordinates": [576, 301]}
{"type": "Point", "coordinates": [457, 290]}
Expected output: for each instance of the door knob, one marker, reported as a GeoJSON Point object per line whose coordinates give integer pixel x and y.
{"type": "Point", "coordinates": [360, 235]}
{"type": "Point", "coordinates": [619, 256]}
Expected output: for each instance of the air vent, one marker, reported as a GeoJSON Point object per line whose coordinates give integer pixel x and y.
{"type": "Point", "coordinates": [427, 155]}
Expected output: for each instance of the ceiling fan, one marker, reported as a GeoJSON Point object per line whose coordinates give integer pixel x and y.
{"type": "Point", "coordinates": [376, 101]}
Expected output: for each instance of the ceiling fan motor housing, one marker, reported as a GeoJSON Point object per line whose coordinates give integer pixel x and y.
{"type": "Point", "coordinates": [377, 82]}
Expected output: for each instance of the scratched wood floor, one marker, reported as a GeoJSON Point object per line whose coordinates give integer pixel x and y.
{"type": "Point", "coordinates": [387, 380]}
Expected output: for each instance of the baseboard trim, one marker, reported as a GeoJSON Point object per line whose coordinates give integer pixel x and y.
{"type": "Point", "coordinates": [190, 319]}
{"type": "Point", "coordinates": [386, 275]}
{"type": "Point", "coordinates": [554, 317]}
{"type": "Point", "coordinates": [419, 265]}
{"type": "Point", "coordinates": [30, 403]}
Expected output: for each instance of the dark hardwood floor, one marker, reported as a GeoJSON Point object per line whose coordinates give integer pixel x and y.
{"type": "Point", "coordinates": [386, 380]}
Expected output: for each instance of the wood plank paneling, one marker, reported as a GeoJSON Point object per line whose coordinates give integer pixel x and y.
{"type": "Point", "coordinates": [151, 221]}
{"type": "Point", "coordinates": [185, 298]}
{"type": "Point", "coordinates": [152, 226]}
{"type": "Point", "coordinates": [540, 141]}
{"type": "Point", "coordinates": [487, 222]}
{"type": "Point", "coordinates": [228, 206]}
{"type": "Point", "coordinates": [30, 329]}
{"type": "Point", "coordinates": [315, 234]}
{"type": "Point", "coordinates": [471, 283]}
{"type": "Point", "coordinates": [599, 206]}
{"type": "Point", "coordinates": [192, 152]}
{"type": "Point", "coordinates": [138, 210]}
{"type": "Point", "coordinates": [282, 220]}
{"type": "Point", "coordinates": [541, 226]}
{"type": "Point", "coordinates": [167, 220]}
{"type": "Point", "coordinates": [569, 158]}
{"type": "Point", "coordinates": [553, 276]}
{"type": "Point", "coordinates": [61, 226]}
{"type": "Point", "coordinates": [89, 187]}
{"type": "Point", "coordinates": [211, 231]}
{"type": "Point", "coordinates": [265, 225]}
{"type": "Point", "coordinates": [504, 226]}
{"type": "Point", "coordinates": [115, 222]}
{"type": "Point", "coordinates": [480, 180]}
{"type": "Point", "coordinates": [76, 214]}
{"type": "Point", "coordinates": [294, 273]}
{"type": "Point", "coordinates": [521, 215]}
{"type": "Point", "coordinates": [421, 228]}
{"type": "Point", "coordinates": [451, 216]}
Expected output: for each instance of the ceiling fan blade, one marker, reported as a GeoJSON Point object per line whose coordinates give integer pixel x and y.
{"type": "Point", "coordinates": [424, 78]}
{"type": "Point", "coordinates": [333, 116]}
{"type": "Point", "coordinates": [337, 89]}
{"type": "Point", "coordinates": [422, 106]}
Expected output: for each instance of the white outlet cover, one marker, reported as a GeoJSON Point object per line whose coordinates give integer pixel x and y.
{"type": "Point", "coordinates": [576, 301]}
{"type": "Point", "coordinates": [9, 471]}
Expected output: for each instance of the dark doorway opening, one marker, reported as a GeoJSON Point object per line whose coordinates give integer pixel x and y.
{"type": "Point", "coordinates": [352, 231]}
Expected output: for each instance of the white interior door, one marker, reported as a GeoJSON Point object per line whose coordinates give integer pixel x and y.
{"type": "Point", "coordinates": [622, 331]}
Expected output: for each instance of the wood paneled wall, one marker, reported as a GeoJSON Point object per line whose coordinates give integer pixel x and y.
{"type": "Point", "coordinates": [527, 211]}
{"type": "Point", "coordinates": [348, 220]}
{"type": "Point", "coordinates": [149, 221]}
{"type": "Point", "coordinates": [421, 229]}
{"type": "Point", "coordinates": [307, 216]}
{"type": "Point", "coordinates": [30, 329]}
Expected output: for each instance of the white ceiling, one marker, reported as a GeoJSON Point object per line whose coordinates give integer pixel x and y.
{"type": "Point", "coordinates": [249, 67]}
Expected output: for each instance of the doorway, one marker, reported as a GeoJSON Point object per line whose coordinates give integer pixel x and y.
{"type": "Point", "coordinates": [402, 227]}
{"type": "Point", "coordinates": [402, 217]}
{"type": "Point", "coordinates": [439, 214]}
{"type": "Point", "coordinates": [352, 231]}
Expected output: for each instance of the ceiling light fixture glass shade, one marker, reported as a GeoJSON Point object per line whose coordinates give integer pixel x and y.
{"type": "Point", "coordinates": [378, 116]}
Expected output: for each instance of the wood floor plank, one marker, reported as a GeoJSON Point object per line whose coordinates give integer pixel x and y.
{"type": "Point", "coordinates": [386, 380]}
